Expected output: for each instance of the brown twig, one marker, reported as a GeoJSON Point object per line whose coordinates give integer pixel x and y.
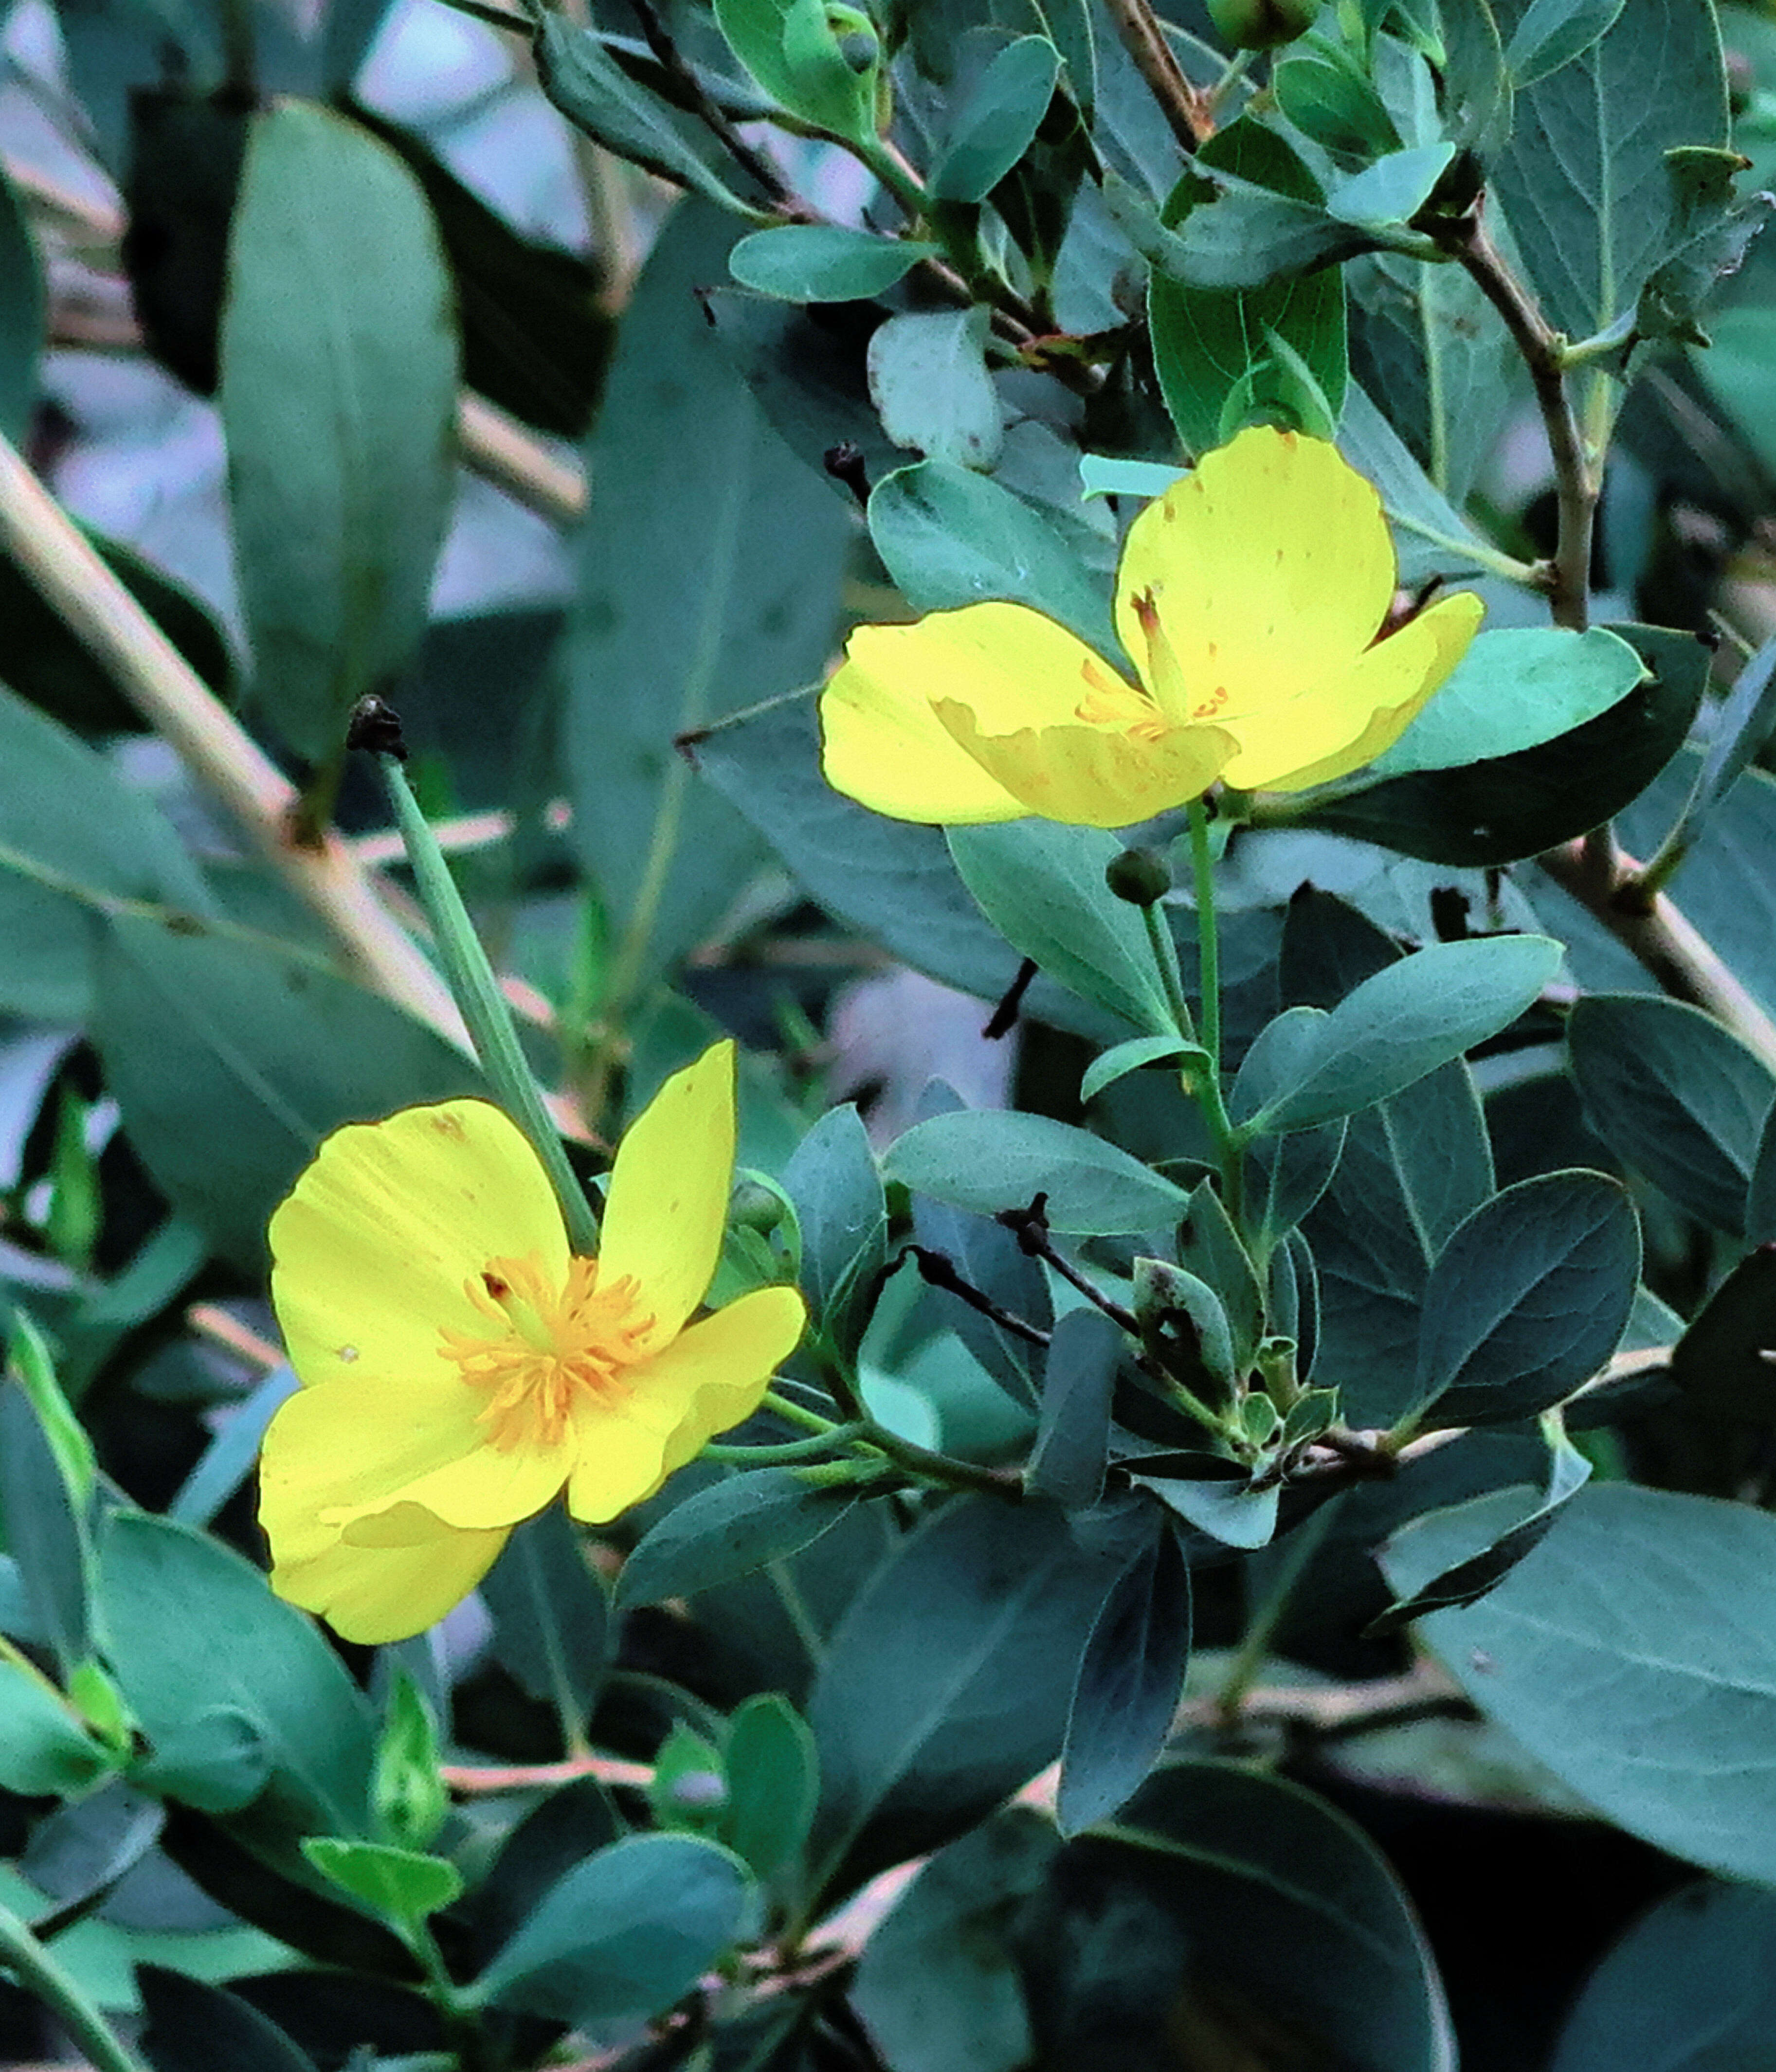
{"type": "Point", "coordinates": [1605, 879]}
{"type": "Point", "coordinates": [1186, 110]}
{"type": "Point", "coordinates": [1568, 579]}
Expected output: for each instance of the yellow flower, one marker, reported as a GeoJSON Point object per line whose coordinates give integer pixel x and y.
{"type": "Point", "coordinates": [1249, 597]}
{"type": "Point", "coordinates": [461, 1368]}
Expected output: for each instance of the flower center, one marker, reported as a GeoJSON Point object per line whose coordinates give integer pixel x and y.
{"type": "Point", "coordinates": [549, 1348]}
{"type": "Point", "coordinates": [1109, 701]}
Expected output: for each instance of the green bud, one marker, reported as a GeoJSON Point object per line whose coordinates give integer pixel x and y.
{"type": "Point", "coordinates": [754, 1208]}
{"type": "Point", "coordinates": [1140, 876]}
{"type": "Point", "coordinates": [406, 1790]}
{"type": "Point", "coordinates": [1260, 25]}
{"type": "Point", "coordinates": [832, 53]}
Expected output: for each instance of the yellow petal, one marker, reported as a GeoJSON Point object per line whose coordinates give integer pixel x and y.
{"type": "Point", "coordinates": [1269, 567]}
{"type": "Point", "coordinates": [667, 1203]}
{"type": "Point", "coordinates": [711, 1377]}
{"type": "Point", "coordinates": [1343, 724]}
{"type": "Point", "coordinates": [372, 1249]}
{"type": "Point", "coordinates": [338, 1452]}
{"type": "Point", "coordinates": [373, 1594]}
{"type": "Point", "coordinates": [884, 747]}
{"type": "Point", "coordinates": [1094, 776]}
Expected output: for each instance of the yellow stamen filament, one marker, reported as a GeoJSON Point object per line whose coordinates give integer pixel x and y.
{"type": "Point", "coordinates": [1109, 701]}
{"type": "Point", "coordinates": [550, 1348]}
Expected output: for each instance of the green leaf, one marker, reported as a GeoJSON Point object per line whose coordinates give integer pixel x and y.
{"type": "Point", "coordinates": [1043, 887]}
{"type": "Point", "coordinates": [817, 262]}
{"type": "Point", "coordinates": [989, 1160]}
{"type": "Point", "coordinates": [726, 1530]}
{"type": "Point", "coordinates": [184, 1618]}
{"type": "Point", "coordinates": [1105, 475]}
{"type": "Point", "coordinates": [339, 373]}
{"type": "Point", "coordinates": [1431, 535]}
{"type": "Point", "coordinates": [1411, 1171]}
{"type": "Point", "coordinates": [1295, 1170]}
{"type": "Point", "coordinates": [232, 1057]}
{"type": "Point", "coordinates": [950, 537]}
{"type": "Point", "coordinates": [1409, 1019]}
{"type": "Point", "coordinates": [1693, 1983]}
{"type": "Point", "coordinates": [43, 1748]}
{"type": "Point", "coordinates": [1335, 106]}
{"type": "Point", "coordinates": [1642, 1605]}
{"type": "Point", "coordinates": [404, 1884]}
{"type": "Point", "coordinates": [761, 34]}
{"type": "Point", "coordinates": [1529, 1299]}
{"type": "Point", "coordinates": [1510, 807]}
{"type": "Point", "coordinates": [937, 1988]}
{"type": "Point", "coordinates": [1674, 1095]}
{"type": "Point", "coordinates": [1552, 33]}
{"type": "Point", "coordinates": [1430, 1563]}
{"type": "Point", "coordinates": [773, 1776]}
{"type": "Point", "coordinates": [1131, 1675]}
{"type": "Point", "coordinates": [928, 379]}
{"type": "Point", "coordinates": [1718, 1362]}
{"type": "Point", "coordinates": [1513, 689]}
{"type": "Point", "coordinates": [1280, 1900]}
{"type": "Point", "coordinates": [1393, 189]}
{"type": "Point", "coordinates": [710, 565]}
{"type": "Point", "coordinates": [1244, 238]}
{"type": "Point", "coordinates": [1067, 1463]}
{"type": "Point", "coordinates": [997, 123]}
{"type": "Point", "coordinates": [947, 1682]}
{"type": "Point", "coordinates": [1583, 180]}
{"type": "Point", "coordinates": [1211, 1493]}
{"type": "Point", "coordinates": [23, 311]}
{"type": "Point", "coordinates": [1122, 1058]}
{"type": "Point", "coordinates": [1430, 342]}
{"type": "Point", "coordinates": [1742, 726]}
{"type": "Point", "coordinates": [48, 1522]}
{"type": "Point", "coordinates": [552, 1623]}
{"type": "Point", "coordinates": [1206, 340]}
{"type": "Point", "coordinates": [596, 95]}
{"type": "Point", "coordinates": [624, 1934]}
{"type": "Point", "coordinates": [73, 836]}
{"type": "Point", "coordinates": [833, 1180]}
{"type": "Point", "coordinates": [892, 880]}
{"type": "Point", "coordinates": [194, 2026]}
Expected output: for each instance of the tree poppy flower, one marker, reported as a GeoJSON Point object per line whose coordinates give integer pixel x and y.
{"type": "Point", "coordinates": [462, 1368]}
{"type": "Point", "coordinates": [1249, 597]}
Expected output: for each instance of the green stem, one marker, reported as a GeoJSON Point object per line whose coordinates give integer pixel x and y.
{"type": "Point", "coordinates": [38, 1971]}
{"type": "Point", "coordinates": [1208, 933]}
{"type": "Point", "coordinates": [1159, 936]}
{"type": "Point", "coordinates": [791, 1451]}
{"type": "Point", "coordinates": [477, 993]}
{"type": "Point", "coordinates": [1248, 1662]}
{"type": "Point", "coordinates": [945, 1468]}
{"type": "Point", "coordinates": [460, 2025]}
{"type": "Point", "coordinates": [1207, 1084]}
{"type": "Point", "coordinates": [794, 1413]}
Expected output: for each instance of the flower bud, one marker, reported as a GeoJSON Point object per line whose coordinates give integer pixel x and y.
{"type": "Point", "coordinates": [1260, 25]}
{"type": "Point", "coordinates": [1140, 876]}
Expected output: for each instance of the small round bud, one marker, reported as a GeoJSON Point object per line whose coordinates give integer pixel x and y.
{"type": "Point", "coordinates": [1140, 876]}
{"type": "Point", "coordinates": [754, 1208]}
{"type": "Point", "coordinates": [1260, 25]}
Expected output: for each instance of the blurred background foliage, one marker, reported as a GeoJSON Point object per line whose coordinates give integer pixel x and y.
{"type": "Point", "coordinates": [575, 378]}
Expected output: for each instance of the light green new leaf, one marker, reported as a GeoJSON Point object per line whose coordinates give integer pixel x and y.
{"type": "Point", "coordinates": [339, 373]}
{"type": "Point", "coordinates": [404, 1885]}
{"type": "Point", "coordinates": [1515, 688]}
